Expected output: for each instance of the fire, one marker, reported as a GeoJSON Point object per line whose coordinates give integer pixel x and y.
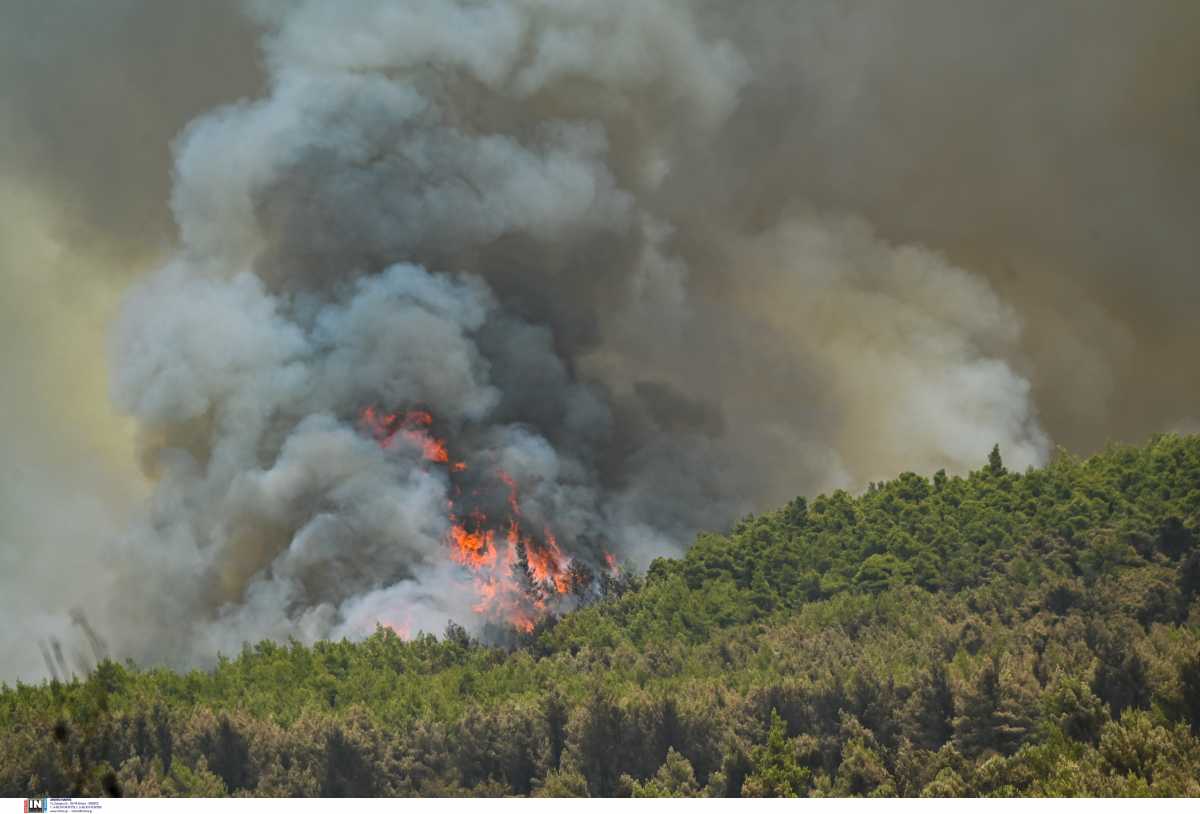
{"type": "Point", "coordinates": [414, 425]}
{"type": "Point", "coordinates": [546, 564]}
{"type": "Point", "coordinates": [403, 628]}
{"type": "Point", "coordinates": [474, 549]}
{"type": "Point", "coordinates": [517, 573]}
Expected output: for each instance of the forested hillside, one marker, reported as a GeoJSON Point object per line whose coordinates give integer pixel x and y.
{"type": "Point", "coordinates": [998, 634]}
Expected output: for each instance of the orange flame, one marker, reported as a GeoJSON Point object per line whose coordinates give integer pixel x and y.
{"type": "Point", "coordinates": [547, 563]}
{"type": "Point", "coordinates": [474, 549]}
{"type": "Point", "coordinates": [402, 627]}
{"type": "Point", "coordinates": [413, 425]}
{"type": "Point", "coordinates": [474, 540]}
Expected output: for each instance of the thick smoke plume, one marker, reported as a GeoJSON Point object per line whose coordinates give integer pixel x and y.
{"type": "Point", "coordinates": [657, 265]}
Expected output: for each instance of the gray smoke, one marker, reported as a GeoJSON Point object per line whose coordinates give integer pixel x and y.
{"type": "Point", "coordinates": [662, 263]}
{"type": "Point", "coordinates": [91, 96]}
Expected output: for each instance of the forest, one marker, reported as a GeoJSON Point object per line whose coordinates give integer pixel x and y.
{"type": "Point", "coordinates": [998, 634]}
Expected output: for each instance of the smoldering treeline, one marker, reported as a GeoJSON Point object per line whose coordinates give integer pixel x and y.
{"type": "Point", "coordinates": [664, 263]}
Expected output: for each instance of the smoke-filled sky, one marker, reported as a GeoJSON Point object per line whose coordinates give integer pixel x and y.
{"type": "Point", "coordinates": [663, 264]}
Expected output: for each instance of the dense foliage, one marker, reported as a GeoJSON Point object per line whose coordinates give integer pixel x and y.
{"type": "Point", "coordinates": [999, 634]}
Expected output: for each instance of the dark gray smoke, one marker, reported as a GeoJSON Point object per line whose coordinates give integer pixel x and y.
{"type": "Point", "coordinates": [662, 263]}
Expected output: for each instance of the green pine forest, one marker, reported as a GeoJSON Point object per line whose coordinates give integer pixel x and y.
{"type": "Point", "coordinates": [997, 634]}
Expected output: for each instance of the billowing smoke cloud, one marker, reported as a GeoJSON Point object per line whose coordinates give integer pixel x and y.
{"type": "Point", "coordinates": [90, 97]}
{"type": "Point", "coordinates": [659, 264]}
{"type": "Point", "coordinates": [1047, 148]}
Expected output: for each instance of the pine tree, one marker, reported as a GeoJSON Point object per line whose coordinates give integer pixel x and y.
{"type": "Point", "coordinates": [995, 713]}
{"type": "Point", "coordinates": [1189, 682]}
{"type": "Point", "coordinates": [675, 778]}
{"type": "Point", "coordinates": [995, 464]}
{"type": "Point", "coordinates": [580, 578]}
{"type": "Point", "coordinates": [776, 772]}
{"type": "Point", "coordinates": [525, 578]}
{"type": "Point", "coordinates": [931, 710]}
